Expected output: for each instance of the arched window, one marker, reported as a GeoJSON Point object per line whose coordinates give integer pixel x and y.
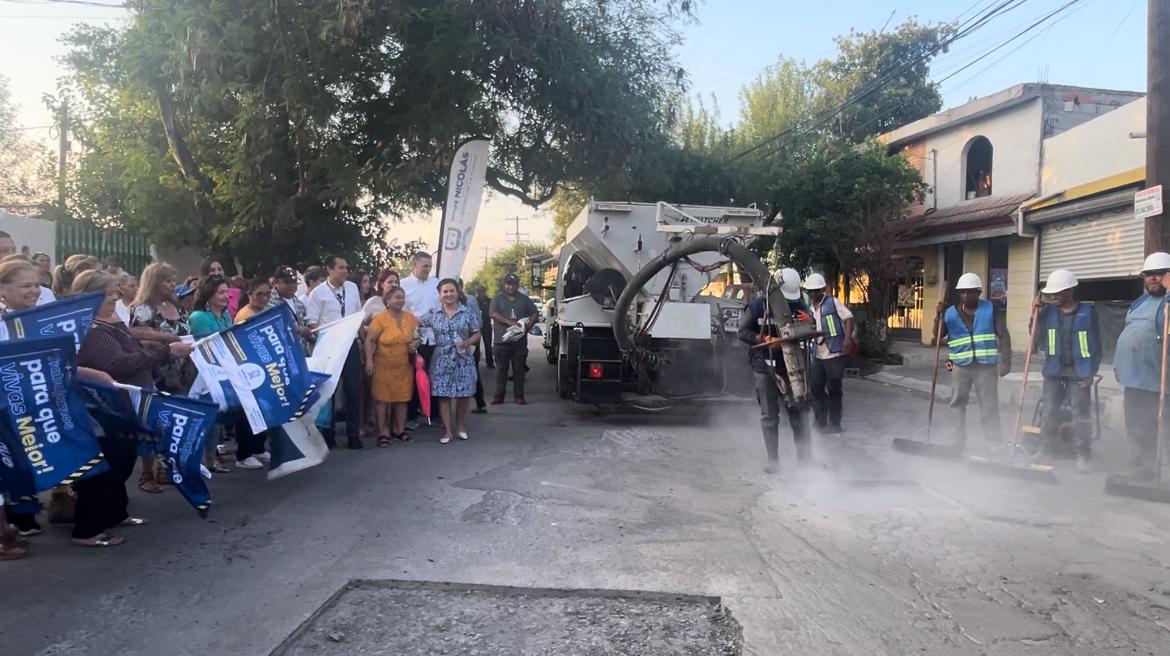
{"type": "Point", "coordinates": [977, 168]}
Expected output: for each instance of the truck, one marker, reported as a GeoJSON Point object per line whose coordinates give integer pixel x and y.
{"type": "Point", "coordinates": [672, 342]}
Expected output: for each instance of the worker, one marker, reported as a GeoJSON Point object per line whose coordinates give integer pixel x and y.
{"type": "Point", "coordinates": [1067, 330]}
{"type": "Point", "coordinates": [756, 327]}
{"type": "Point", "coordinates": [835, 322]}
{"type": "Point", "coordinates": [980, 350]}
{"type": "Point", "coordinates": [1137, 365]}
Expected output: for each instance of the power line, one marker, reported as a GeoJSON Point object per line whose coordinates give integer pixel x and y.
{"type": "Point", "coordinates": [83, 3]}
{"type": "Point", "coordinates": [962, 30]}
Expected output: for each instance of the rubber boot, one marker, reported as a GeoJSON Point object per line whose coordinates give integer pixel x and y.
{"type": "Point", "coordinates": [772, 445]}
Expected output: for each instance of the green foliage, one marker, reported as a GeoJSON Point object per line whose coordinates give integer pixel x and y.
{"type": "Point", "coordinates": [280, 131]}
{"type": "Point", "coordinates": [508, 260]}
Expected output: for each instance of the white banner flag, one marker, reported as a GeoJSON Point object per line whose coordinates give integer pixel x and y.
{"type": "Point", "coordinates": [464, 194]}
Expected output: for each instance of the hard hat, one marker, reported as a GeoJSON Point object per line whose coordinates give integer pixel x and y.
{"type": "Point", "coordinates": [789, 281]}
{"type": "Point", "coordinates": [815, 281]}
{"type": "Point", "coordinates": [1157, 262]}
{"type": "Point", "coordinates": [1059, 280]}
{"type": "Point", "coordinates": [969, 281]}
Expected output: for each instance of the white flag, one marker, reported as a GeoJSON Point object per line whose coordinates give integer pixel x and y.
{"type": "Point", "coordinates": [464, 194]}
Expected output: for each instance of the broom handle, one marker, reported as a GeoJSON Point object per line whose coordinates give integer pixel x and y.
{"type": "Point", "coordinates": [1027, 367]}
{"type": "Point", "coordinates": [934, 376]}
{"type": "Point", "coordinates": [1158, 447]}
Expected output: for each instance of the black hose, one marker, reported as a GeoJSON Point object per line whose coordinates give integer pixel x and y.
{"type": "Point", "coordinates": [728, 247]}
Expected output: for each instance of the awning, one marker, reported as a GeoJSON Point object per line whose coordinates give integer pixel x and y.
{"type": "Point", "coordinates": [980, 218]}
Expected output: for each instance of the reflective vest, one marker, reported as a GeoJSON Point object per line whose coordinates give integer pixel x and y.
{"type": "Point", "coordinates": [1083, 342]}
{"type": "Point", "coordinates": [831, 325]}
{"type": "Point", "coordinates": [982, 347]}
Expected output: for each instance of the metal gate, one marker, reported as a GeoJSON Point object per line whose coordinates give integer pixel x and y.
{"type": "Point", "coordinates": [1096, 246]}
{"type": "Point", "coordinates": [132, 252]}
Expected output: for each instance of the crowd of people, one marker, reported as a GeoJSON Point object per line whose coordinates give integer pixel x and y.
{"type": "Point", "coordinates": [146, 328]}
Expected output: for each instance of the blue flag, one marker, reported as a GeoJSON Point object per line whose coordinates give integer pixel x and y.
{"type": "Point", "coordinates": [16, 480]}
{"type": "Point", "coordinates": [262, 361]}
{"type": "Point", "coordinates": [115, 409]}
{"type": "Point", "coordinates": [182, 425]}
{"type": "Point", "coordinates": [44, 412]}
{"type": "Point", "coordinates": [69, 316]}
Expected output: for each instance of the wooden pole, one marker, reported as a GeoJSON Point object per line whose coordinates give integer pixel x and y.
{"type": "Point", "coordinates": [1158, 118]}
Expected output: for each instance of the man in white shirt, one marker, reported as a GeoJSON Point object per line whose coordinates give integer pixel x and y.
{"type": "Point", "coordinates": [333, 299]}
{"type": "Point", "coordinates": [834, 320]}
{"type": "Point", "coordinates": [422, 296]}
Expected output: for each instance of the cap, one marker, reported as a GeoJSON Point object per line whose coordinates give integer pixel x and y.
{"type": "Point", "coordinates": [511, 279]}
{"type": "Point", "coordinates": [285, 273]}
{"type": "Point", "coordinates": [183, 290]}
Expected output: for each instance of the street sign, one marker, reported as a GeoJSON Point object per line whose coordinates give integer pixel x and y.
{"type": "Point", "coordinates": [1147, 203]}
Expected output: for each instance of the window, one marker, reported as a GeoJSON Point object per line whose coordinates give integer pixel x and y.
{"type": "Point", "coordinates": [977, 168]}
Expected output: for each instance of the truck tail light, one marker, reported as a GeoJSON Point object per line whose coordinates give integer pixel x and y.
{"type": "Point", "coordinates": [596, 371]}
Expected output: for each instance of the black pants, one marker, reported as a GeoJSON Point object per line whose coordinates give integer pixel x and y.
{"type": "Point", "coordinates": [479, 401]}
{"type": "Point", "coordinates": [101, 500]}
{"type": "Point", "coordinates": [513, 356]}
{"type": "Point", "coordinates": [247, 443]}
{"type": "Point", "coordinates": [485, 338]}
{"type": "Point", "coordinates": [824, 376]}
{"type": "Point", "coordinates": [414, 409]}
{"type": "Point", "coordinates": [351, 390]}
{"type": "Point", "coordinates": [768, 396]}
{"type": "Point", "coordinates": [1141, 424]}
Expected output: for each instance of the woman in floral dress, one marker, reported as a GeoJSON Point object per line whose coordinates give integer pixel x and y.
{"type": "Point", "coordinates": [452, 369]}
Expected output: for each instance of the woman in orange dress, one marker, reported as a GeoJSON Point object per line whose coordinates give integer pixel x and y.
{"type": "Point", "coordinates": [390, 344]}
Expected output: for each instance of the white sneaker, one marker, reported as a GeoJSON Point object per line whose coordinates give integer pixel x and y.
{"type": "Point", "coordinates": [264, 457]}
{"type": "Point", "coordinates": [249, 463]}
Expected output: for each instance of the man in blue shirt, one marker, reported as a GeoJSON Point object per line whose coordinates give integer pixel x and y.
{"type": "Point", "coordinates": [756, 328]}
{"type": "Point", "coordinates": [1137, 365]}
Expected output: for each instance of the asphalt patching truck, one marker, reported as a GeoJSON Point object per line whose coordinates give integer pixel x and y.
{"type": "Point", "coordinates": [671, 340]}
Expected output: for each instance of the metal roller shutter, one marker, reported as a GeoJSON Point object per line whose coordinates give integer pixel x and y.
{"type": "Point", "coordinates": [1097, 246]}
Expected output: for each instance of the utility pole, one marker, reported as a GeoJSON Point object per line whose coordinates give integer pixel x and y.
{"type": "Point", "coordinates": [1158, 118]}
{"type": "Point", "coordinates": [62, 149]}
{"type": "Point", "coordinates": [485, 250]}
{"type": "Point", "coordinates": [516, 235]}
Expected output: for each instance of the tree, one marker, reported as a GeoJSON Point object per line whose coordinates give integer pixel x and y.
{"type": "Point", "coordinates": [848, 210]}
{"type": "Point", "coordinates": [888, 73]}
{"type": "Point", "coordinates": [26, 179]}
{"type": "Point", "coordinates": [291, 129]}
{"type": "Point", "coordinates": [508, 260]}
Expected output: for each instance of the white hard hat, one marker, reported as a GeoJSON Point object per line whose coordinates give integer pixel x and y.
{"type": "Point", "coordinates": [789, 281]}
{"type": "Point", "coordinates": [969, 281]}
{"type": "Point", "coordinates": [1059, 280]}
{"type": "Point", "coordinates": [1157, 262]}
{"type": "Point", "coordinates": [815, 281]}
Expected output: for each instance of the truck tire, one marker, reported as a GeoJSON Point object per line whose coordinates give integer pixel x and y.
{"type": "Point", "coordinates": [552, 353]}
{"type": "Point", "coordinates": [567, 367]}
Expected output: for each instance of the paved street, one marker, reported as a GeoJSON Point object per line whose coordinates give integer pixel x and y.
{"type": "Point", "coordinates": [878, 554]}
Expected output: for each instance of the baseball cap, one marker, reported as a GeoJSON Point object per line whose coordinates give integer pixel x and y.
{"type": "Point", "coordinates": [183, 290]}
{"type": "Point", "coordinates": [511, 279]}
{"type": "Point", "coordinates": [285, 273]}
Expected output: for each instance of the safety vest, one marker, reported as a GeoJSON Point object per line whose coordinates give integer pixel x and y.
{"type": "Point", "coordinates": [1083, 342]}
{"type": "Point", "coordinates": [831, 325]}
{"type": "Point", "coordinates": [982, 347]}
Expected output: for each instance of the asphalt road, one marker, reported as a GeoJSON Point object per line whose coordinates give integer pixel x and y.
{"type": "Point", "coordinates": [878, 553]}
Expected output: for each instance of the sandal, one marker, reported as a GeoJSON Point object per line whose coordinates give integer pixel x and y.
{"type": "Point", "coordinates": [462, 435]}
{"type": "Point", "coordinates": [219, 468]}
{"type": "Point", "coordinates": [134, 521]}
{"type": "Point", "coordinates": [403, 437]}
{"type": "Point", "coordinates": [383, 441]}
{"type": "Point", "coordinates": [10, 550]}
{"type": "Point", "coordinates": [146, 483]}
{"type": "Point", "coordinates": [444, 439]}
{"type": "Point", "coordinates": [99, 540]}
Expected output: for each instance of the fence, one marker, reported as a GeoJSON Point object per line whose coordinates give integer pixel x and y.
{"type": "Point", "coordinates": [132, 252]}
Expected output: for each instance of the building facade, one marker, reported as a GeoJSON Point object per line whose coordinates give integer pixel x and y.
{"type": "Point", "coordinates": [983, 162]}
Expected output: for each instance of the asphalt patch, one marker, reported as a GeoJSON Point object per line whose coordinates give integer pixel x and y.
{"type": "Point", "coordinates": [375, 617]}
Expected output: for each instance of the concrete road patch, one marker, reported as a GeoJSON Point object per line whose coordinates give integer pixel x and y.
{"type": "Point", "coordinates": [369, 618]}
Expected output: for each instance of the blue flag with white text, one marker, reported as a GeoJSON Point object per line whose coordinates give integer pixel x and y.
{"type": "Point", "coordinates": [44, 412]}
{"type": "Point", "coordinates": [182, 426]}
{"type": "Point", "coordinates": [263, 364]}
{"type": "Point", "coordinates": [16, 480]}
{"type": "Point", "coordinates": [68, 316]}
{"type": "Point", "coordinates": [114, 408]}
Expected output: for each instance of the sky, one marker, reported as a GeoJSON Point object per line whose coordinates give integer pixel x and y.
{"type": "Point", "coordinates": [1092, 43]}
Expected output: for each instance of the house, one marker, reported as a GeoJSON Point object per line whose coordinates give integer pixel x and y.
{"type": "Point", "coordinates": [1083, 218]}
{"type": "Point", "coordinates": [982, 161]}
